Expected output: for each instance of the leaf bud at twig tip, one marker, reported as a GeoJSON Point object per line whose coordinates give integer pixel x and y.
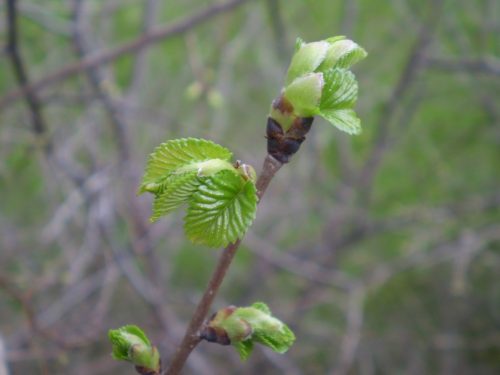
{"type": "Point", "coordinates": [131, 344]}
{"type": "Point", "coordinates": [242, 326]}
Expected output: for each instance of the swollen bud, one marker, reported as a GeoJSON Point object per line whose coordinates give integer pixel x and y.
{"type": "Point", "coordinates": [244, 326]}
{"type": "Point", "coordinates": [131, 344]}
{"type": "Point", "coordinates": [304, 94]}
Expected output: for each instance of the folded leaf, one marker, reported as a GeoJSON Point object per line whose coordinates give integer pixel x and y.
{"type": "Point", "coordinates": [221, 210]}
{"type": "Point", "coordinates": [176, 154]}
{"type": "Point", "coordinates": [340, 90]}
{"type": "Point", "coordinates": [178, 189]}
{"type": "Point", "coordinates": [306, 59]}
{"type": "Point", "coordinates": [244, 348]}
{"type": "Point", "coordinates": [304, 94]}
{"type": "Point", "coordinates": [342, 54]}
{"type": "Point", "coordinates": [343, 119]}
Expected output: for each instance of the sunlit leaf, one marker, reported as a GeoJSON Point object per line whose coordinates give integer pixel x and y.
{"type": "Point", "coordinates": [221, 210]}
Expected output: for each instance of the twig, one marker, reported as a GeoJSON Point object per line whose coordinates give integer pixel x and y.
{"type": "Point", "coordinates": [107, 56]}
{"type": "Point", "coordinates": [473, 66]}
{"type": "Point", "coordinates": [191, 338]}
{"type": "Point", "coordinates": [20, 72]}
{"type": "Point", "coordinates": [3, 360]}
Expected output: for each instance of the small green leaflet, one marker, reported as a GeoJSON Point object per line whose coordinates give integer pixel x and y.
{"type": "Point", "coordinates": [221, 200]}
{"type": "Point", "coordinates": [343, 119]}
{"type": "Point", "coordinates": [123, 338]}
{"type": "Point", "coordinates": [339, 97]}
{"type": "Point", "coordinates": [340, 89]}
{"type": "Point", "coordinates": [244, 348]}
{"type": "Point", "coordinates": [221, 210]}
{"type": "Point", "coordinates": [175, 154]}
{"type": "Point", "coordinates": [178, 190]}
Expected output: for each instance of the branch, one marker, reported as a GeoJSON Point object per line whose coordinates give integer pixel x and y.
{"type": "Point", "coordinates": [18, 66]}
{"type": "Point", "coordinates": [191, 338]}
{"type": "Point", "coordinates": [107, 56]}
{"type": "Point", "coordinates": [474, 66]}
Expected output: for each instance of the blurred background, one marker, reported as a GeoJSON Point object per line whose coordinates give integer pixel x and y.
{"type": "Point", "coordinates": [381, 251]}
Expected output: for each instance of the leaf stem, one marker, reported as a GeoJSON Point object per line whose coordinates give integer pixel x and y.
{"type": "Point", "coordinates": [192, 338]}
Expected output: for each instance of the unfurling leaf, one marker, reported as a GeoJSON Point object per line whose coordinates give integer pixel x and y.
{"type": "Point", "coordinates": [221, 210]}
{"type": "Point", "coordinates": [244, 326]}
{"type": "Point", "coordinates": [221, 197]}
{"type": "Point", "coordinates": [343, 119]}
{"type": "Point", "coordinates": [340, 90]}
{"type": "Point", "coordinates": [178, 155]}
{"type": "Point", "coordinates": [131, 344]}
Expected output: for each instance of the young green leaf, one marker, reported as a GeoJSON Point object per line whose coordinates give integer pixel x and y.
{"type": "Point", "coordinates": [342, 53]}
{"type": "Point", "coordinates": [307, 58]}
{"type": "Point", "coordinates": [343, 119]}
{"type": "Point", "coordinates": [178, 189]}
{"type": "Point", "coordinates": [340, 90]}
{"type": "Point", "coordinates": [221, 210]}
{"type": "Point", "coordinates": [131, 344]}
{"type": "Point", "coordinates": [304, 94]}
{"type": "Point", "coordinates": [178, 154]}
{"type": "Point", "coordinates": [244, 326]}
{"type": "Point", "coordinates": [244, 348]}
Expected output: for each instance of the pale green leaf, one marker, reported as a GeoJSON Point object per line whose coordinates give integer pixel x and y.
{"type": "Point", "coordinates": [175, 154]}
{"type": "Point", "coordinates": [262, 307]}
{"type": "Point", "coordinates": [304, 94]}
{"type": "Point", "coordinates": [340, 90]}
{"type": "Point", "coordinates": [279, 340]}
{"type": "Point", "coordinates": [125, 337]}
{"type": "Point", "coordinates": [341, 54]}
{"type": "Point", "coordinates": [221, 210]}
{"type": "Point", "coordinates": [306, 59]}
{"type": "Point", "coordinates": [244, 348]}
{"type": "Point", "coordinates": [178, 189]}
{"type": "Point", "coordinates": [344, 119]}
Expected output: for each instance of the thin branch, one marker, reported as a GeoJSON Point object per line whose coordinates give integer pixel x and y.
{"type": "Point", "coordinates": [39, 125]}
{"type": "Point", "coordinates": [100, 58]}
{"type": "Point", "coordinates": [473, 66]}
{"type": "Point", "coordinates": [191, 338]}
{"type": "Point", "coordinates": [3, 359]}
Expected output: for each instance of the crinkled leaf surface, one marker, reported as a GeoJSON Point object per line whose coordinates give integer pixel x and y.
{"type": "Point", "coordinates": [221, 210]}
{"type": "Point", "coordinates": [244, 348]}
{"type": "Point", "coordinates": [123, 338]}
{"type": "Point", "coordinates": [176, 154]}
{"type": "Point", "coordinates": [340, 90]}
{"type": "Point", "coordinates": [178, 189]}
{"type": "Point", "coordinates": [279, 339]}
{"type": "Point", "coordinates": [343, 119]}
{"type": "Point", "coordinates": [343, 53]}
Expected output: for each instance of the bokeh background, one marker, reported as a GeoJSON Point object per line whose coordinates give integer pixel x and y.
{"type": "Point", "coordinates": [381, 251]}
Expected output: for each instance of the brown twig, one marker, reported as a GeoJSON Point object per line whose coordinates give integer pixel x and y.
{"type": "Point", "coordinates": [39, 126]}
{"type": "Point", "coordinates": [107, 56]}
{"type": "Point", "coordinates": [191, 338]}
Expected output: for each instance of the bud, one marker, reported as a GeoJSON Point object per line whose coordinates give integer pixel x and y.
{"type": "Point", "coordinates": [242, 326]}
{"type": "Point", "coordinates": [131, 344]}
{"type": "Point", "coordinates": [304, 93]}
{"type": "Point", "coordinates": [318, 82]}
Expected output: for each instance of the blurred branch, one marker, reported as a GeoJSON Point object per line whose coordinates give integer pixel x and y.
{"type": "Point", "coordinates": [3, 359]}
{"type": "Point", "coordinates": [12, 48]}
{"type": "Point", "coordinates": [474, 66]}
{"type": "Point", "coordinates": [278, 27]}
{"type": "Point", "coordinates": [97, 82]}
{"type": "Point", "coordinates": [352, 336]}
{"type": "Point", "coordinates": [150, 10]}
{"type": "Point", "coordinates": [100, 58]}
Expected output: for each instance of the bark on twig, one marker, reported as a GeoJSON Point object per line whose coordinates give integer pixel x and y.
{"type": "Point", "coordinates": [191, 338]}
